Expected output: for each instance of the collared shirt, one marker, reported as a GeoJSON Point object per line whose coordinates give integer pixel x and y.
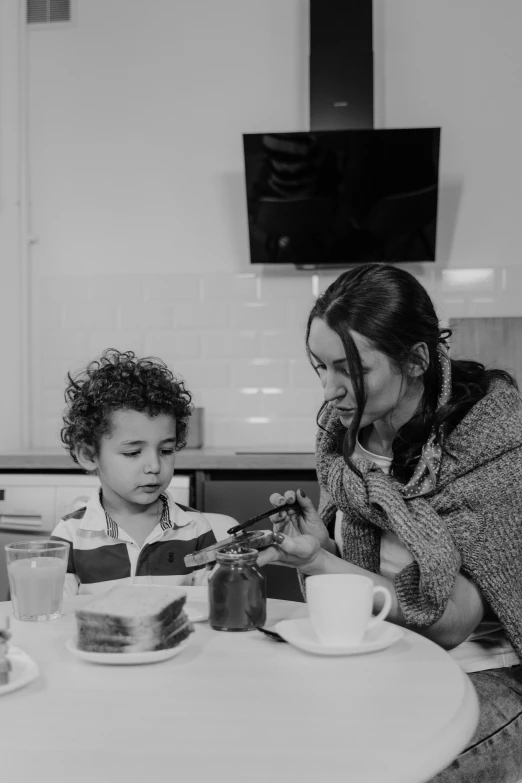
{"type": "Point", "coordinates": [102, 554]}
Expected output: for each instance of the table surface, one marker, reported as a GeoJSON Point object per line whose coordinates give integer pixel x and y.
{"type": "Point", "coordinates": [235, 707]}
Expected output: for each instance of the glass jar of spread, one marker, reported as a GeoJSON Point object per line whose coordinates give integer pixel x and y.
{"type": "Point", "coordinates": [237, 591]}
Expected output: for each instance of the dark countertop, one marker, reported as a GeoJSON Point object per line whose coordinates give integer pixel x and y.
{"type": "Point", "coordinates": [277, 458]}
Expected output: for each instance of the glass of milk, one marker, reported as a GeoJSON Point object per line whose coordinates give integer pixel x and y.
{"type": "Point", "coordinates": [36, 571]}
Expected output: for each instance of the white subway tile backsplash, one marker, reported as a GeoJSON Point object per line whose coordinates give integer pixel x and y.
{"type": "Point", "coordinates": [255, 374]}
{"type": "Point", "coordinates": [64, 289]}
{"type": "Point", "coordinates": [236, 339]}
{"type": "Point", "coordinates": [171, 287]}
{"type": "Point", "coordinates": [300, 431]}
{"type": "Point", "coordinates": [230, 287]}
{"type": "Point", "coordinates": [231, 344]}
{"type": "Point", "coordinates": [118, 288]}
{"type": "Point", "coordinates": [274, 289]}
{"type": "Point", "coordinates": [297, 313]}
{"type": "Point", "coordinates": [292, 403]}
{"type": "Point", "coordinates": [511, 280]}
{"type": "Point", "coordinates": [258, 316]}
{"type": "Point", "coordinates": [325, 280]}
{"type": "Point", "coordinates": [283, 343]}
{"type": "Point", "coordinates": [63, 344]}
{"type": "Point", "coordinates": [173, 346]}
{"type": "Point", "coordinates": [200, 315]}
{"type": "Point", "coordinates": [53, 373]}
{"type": "Point", "coordinates": [146, 315]}
{"type": "Point", "coordinates": [484, 307]}
{"type": "Point", "coordinates": [52, 401]}
{"type": "Point", "coordinates": [204, 374]}
{"type": "Point", "coordinates": [448, 307]}
{"type": "Point", "coordinates": [47, 433]}
{"type": "Point", "coordinates": [89, 315]}
{"type": "Point", "coordinates": [303, 375]}
{"type": "Point", "coordinates": [229, 403]}
{"type": "Point", "coordinates": [508, 304]}
{"type": "Point", "coordinates": [120, 339]}
{"type": "Point", "coordinates": [472, 280]}
{"type": "Point", "coordinates": [235, 432]}
{"type": "Point", "coordinates": [50, 316]}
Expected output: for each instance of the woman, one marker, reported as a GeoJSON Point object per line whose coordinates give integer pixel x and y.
{"type": "Point", "coordinates": [419, 459]}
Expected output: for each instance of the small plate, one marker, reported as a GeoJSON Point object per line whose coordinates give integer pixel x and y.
{"type": "Point", "coordinates": [23, 670]}
{"type": "Point", "coordinates": [301, 634]}
{"type": "Point", "coordinates": [120, 659]}
{"type": "Point", "coordinates": [196, 611]}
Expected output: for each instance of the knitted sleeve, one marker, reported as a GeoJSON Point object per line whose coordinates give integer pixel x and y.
{"type": "Point", "coordinates": [489, 536]}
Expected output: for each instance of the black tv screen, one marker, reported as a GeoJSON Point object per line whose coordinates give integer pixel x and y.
{"type": "Point", "coordinates": [330, 198]}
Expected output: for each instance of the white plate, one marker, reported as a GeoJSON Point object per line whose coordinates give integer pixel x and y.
{"type": "Point", "coordinates": [301, 634]}
{"type": "Point", "coordinates": [23, 670]}
{"type": "Point", "coordinates": [196, 611]}
{"type": "Point", "coordinates": [120, 659]}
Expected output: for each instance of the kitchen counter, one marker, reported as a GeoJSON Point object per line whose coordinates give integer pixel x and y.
{"type": "Point", "coordinates": [187, 459]}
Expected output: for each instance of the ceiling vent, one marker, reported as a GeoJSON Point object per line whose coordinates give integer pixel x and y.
{"type": "Point", "coordinates": [48, 11]}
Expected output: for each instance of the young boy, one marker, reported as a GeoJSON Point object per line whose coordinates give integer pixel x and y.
{"type": "Point", "coordinates": [125, 419]}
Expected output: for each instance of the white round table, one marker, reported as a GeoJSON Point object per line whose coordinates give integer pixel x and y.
{"type": "Point", "coordinates": [235, 707]}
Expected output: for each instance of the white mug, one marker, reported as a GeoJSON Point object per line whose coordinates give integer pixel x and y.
{"type": "Point", "coordinates": [340, 607]}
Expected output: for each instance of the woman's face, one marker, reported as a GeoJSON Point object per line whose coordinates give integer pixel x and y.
{"type": "Point", "coordinates": [385, 385]}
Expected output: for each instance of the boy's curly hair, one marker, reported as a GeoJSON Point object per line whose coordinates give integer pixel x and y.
{"type": "Point", "coordinates": [121, 381]}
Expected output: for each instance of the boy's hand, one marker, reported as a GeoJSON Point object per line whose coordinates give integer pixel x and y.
{"type": "Point", "coordinates": [300, 519]}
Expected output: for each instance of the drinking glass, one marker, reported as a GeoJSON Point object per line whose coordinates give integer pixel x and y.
{"type": "Point", "coordinates": [36, 571]}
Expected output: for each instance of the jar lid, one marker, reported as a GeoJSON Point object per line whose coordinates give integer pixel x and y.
{"type": "Point", "coordinates": [237, 555]}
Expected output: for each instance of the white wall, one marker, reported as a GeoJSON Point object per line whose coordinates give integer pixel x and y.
{"type": "Point", "coordinates": [458, 64]}
{"type": "Point", "coordinates": [11, 298]}
{"type": "Point", "coordinates": [138, 201]}
{"type": "Point", "coordinates": [137, 116]}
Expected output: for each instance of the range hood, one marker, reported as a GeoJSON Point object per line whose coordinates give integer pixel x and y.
{"type": "Point", "coordinates": [341, 64]}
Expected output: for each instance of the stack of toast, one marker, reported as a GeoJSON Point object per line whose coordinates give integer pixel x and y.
{"type": "Point", "coordinates": [129, 619]}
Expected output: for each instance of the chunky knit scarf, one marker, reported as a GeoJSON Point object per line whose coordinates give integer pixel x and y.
{"type": "Point", "coordinates": [470, 519]}
{"type": "Point", "coordinates": [425, 474]}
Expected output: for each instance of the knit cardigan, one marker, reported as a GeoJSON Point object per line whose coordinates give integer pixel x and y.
{"type": "Point", "coordinates": [471, 522]}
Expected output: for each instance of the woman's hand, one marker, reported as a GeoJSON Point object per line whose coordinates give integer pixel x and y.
{"type": "Point", "coordinates": [301, 518]}
{"type": "Point", "coordinates": [301, 552]}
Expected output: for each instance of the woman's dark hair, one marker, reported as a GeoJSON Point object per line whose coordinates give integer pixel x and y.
{"type": "Point", "coordinates": [121, 381]}
{"type": "Point", "coordinates": [392, 310]}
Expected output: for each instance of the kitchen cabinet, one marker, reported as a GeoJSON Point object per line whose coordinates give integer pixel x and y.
{"type": "Point", "coordinates": [244, 497]}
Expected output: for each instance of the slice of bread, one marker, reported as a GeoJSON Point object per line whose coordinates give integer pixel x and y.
{"type": "Point", "coordinates": [93, 638]}
{"type": "Point", "coordinates": [135, 601]}
{"type": "Point", "coordinates": [133, 619]}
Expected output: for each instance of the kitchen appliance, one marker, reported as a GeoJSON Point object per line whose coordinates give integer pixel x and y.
{"type": "Point", "coordinates": [31, 504]}
{"type": "Point", "coordinates": [338, 197]}
{"type": "Point", "coordinates": [341, 64]}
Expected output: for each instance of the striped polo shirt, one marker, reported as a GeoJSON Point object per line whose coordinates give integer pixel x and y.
{"type": "Point", "coordinates": [102, 554]}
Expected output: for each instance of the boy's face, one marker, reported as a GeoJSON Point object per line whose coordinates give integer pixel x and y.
{"type": "Point", "coordinates": [135, 461]}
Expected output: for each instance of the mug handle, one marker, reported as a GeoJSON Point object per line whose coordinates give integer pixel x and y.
{"type": "Point", "coordinates": [385, 609]}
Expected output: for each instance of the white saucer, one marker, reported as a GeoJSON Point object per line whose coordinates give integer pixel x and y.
{"type": "Point", "coordinates": [23, 670]}
{"type": "Point", "coordinates": [120, 659]}
{"type": "Point", "coordinates": [301, 634]}
{"type": "Point", "coordinates": [197, 611]}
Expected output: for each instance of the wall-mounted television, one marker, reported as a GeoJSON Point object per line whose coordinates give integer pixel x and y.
{"type": "Point", "coordinates": [332, 198]}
